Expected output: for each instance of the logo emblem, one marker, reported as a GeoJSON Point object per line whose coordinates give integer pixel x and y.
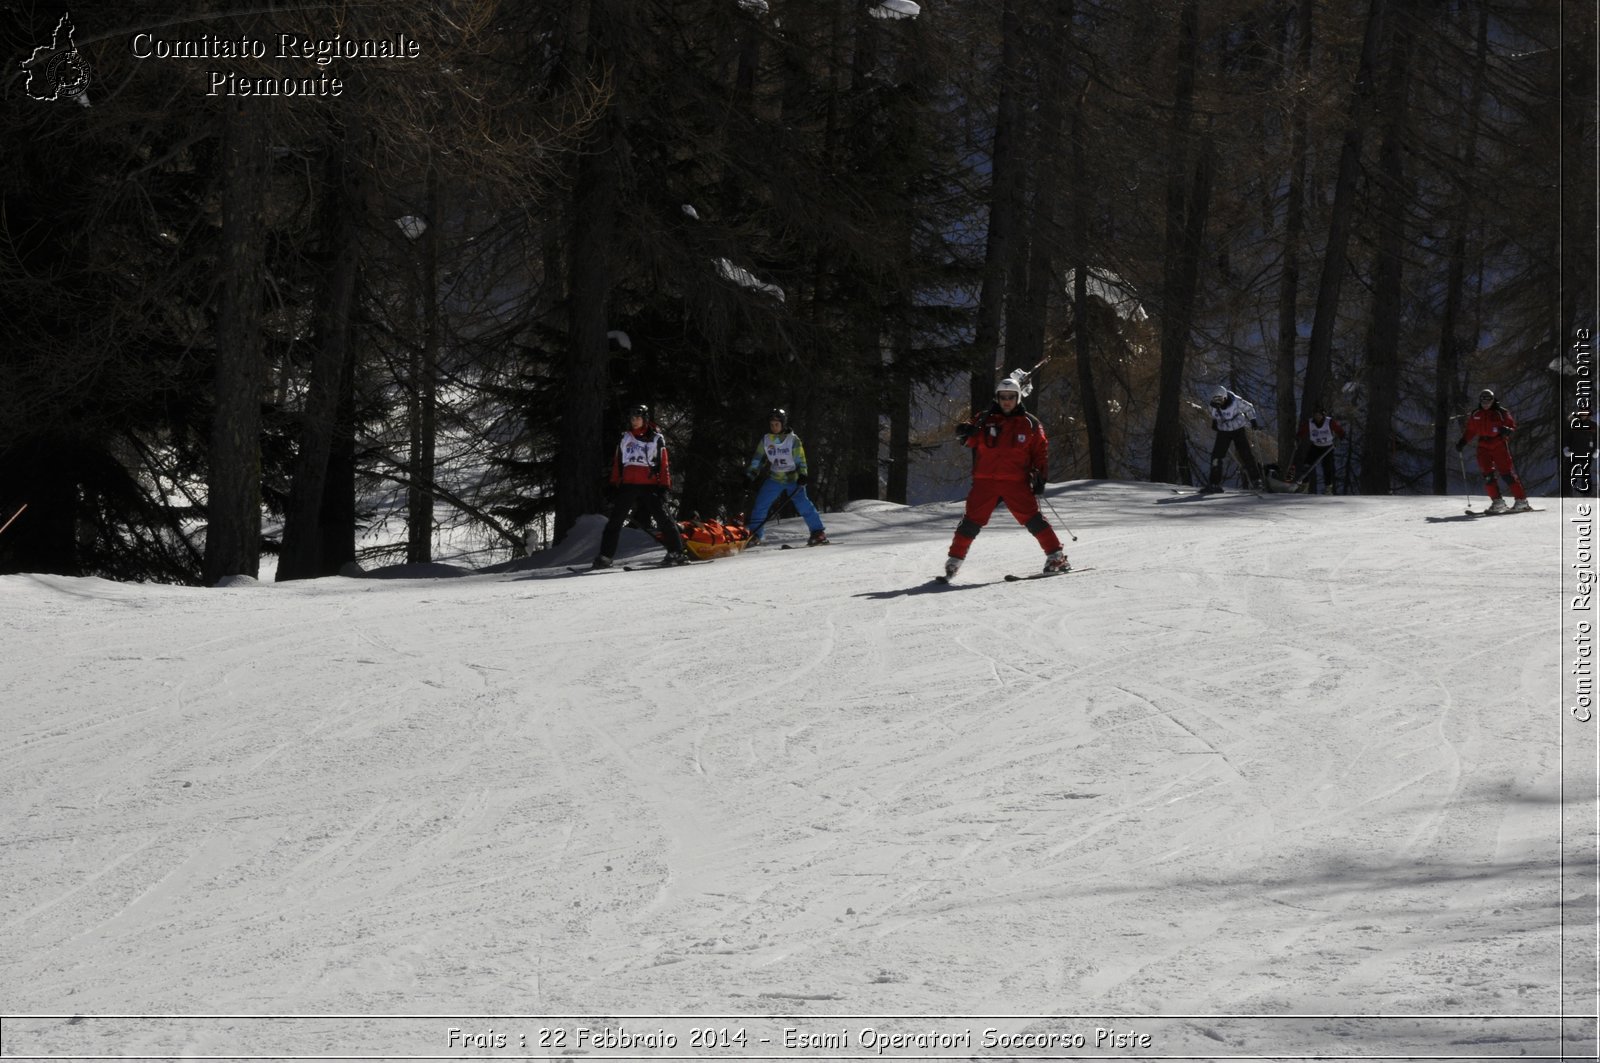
{"type": "Point", "coordinates": [59, 71]}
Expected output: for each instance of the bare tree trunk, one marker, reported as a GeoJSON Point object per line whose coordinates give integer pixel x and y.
{"type": "Point", "coordinates": [338, 519]}
{"type": "Point", "coordinates": [1004, 188]}
{"type": "Point", "coordinates": [1185, 207]}
{"type": "Point", "coordinates": [1293, 231]}
{"type": "Point", "coordinates": [1447, 397]}
{"type": "Point", "coordinates": [1319, 355]}
{"type": "Point", "coordinates": [345, 192]}
{"type": "Point", "coordinates": [1395, 199]}
{"type": "Point", "coordinates": [866, 329]}
{"type": "Point", "coordinates": [425, 388]}
{"type": "Point", "coordinates": [233, 533]}
{"type": "Point", "coordinates": [1094, 425]}
{"type": "Point", "coordinates": [580, 462]}
{"type": "Point", "coordinates": [1028, 316]}
{"type": "Point", "coordinates": [863, 416]}
{"type": "Point", "coordinates": [1089, 407]}
{"type": "Point", "coordinates": [897, 486]}
{"type": "Point", "coordinates": [899, 391]}
{"type": "Point", "coordinates": [1578, 223]}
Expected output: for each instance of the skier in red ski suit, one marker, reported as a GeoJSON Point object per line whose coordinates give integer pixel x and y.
{"type": "Point", "coordinates": [1011, 466]}
{"type": "Point", "coordinates": [641, 472]}
{"type": "Point", "coordinates": [1491, 424]}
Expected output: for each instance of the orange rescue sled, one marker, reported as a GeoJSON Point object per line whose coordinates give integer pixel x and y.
{"type": "Point", "coordinates": [714, 538]}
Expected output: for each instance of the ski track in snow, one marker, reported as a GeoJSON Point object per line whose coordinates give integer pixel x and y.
{"type": "Point", "coordinates": [1254, 763]}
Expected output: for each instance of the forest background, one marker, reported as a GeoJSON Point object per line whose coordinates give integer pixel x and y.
{"type": "Point", "coordinates": [271, 324]}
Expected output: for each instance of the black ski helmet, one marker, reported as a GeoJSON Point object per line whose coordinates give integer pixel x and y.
{"type": "Point", "coordinates": [639, 410]}
{"type": "Point", "coordinates": [780, 415]}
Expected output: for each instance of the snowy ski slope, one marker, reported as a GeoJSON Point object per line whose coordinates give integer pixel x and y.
{"type": "Point", "coordinates": [1268, 777]}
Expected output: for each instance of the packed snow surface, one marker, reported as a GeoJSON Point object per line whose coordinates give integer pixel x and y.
{"type": "Point", "coordinates": [1279, 775]}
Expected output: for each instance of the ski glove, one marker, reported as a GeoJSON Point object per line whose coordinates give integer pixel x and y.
{"type": "Point", "coordinates": [749, 477]}
{"type": "Point", "coordinates": [1036, 481]}
{"type": "Point", "coordinates": [1256, 425]}
{"type": "Point", "coordinates": [800, 479]}
{"type": "Point", "coordinates": [965, 429]}
{"type": "Point", "coordinates": [1461, 444]}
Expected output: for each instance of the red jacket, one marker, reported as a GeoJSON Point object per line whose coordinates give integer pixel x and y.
{"type": "Point", "coordinates": [1489, 427]}
{"type": "Point", "coordinates": [641, 458]}
{"type": "Point", "coordinates": [1010, 446]}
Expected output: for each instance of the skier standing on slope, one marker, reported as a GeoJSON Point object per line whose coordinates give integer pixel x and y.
{"type": "Point", "coordinates": [1491, 424]}
{"type": "Point", "coordinates": [1011, 466]}
{"type": "Point", "coordinates": [1230, 416]}
{"type": "Point", "coordinates": [641, 474]}
{"type": "Point", "coordinates": [785, 457]}
{"type": "Point", "coordinates": [1317, 435]}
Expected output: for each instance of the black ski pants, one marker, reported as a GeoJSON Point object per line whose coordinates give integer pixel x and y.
{"type": "Point", "coordinates": [1239, 439]}
{"type": "Point", "coordinates": [639, 499]}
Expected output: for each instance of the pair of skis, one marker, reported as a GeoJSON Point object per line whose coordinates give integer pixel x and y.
{"type": "Point", "coordinates": [944, 580]}
{"type": "Point", "coordinates": [685, 563]}
{"type": "Point", "coordinates": [581, 569]}
{"type": "Point", "coordinates": [1503, 512]}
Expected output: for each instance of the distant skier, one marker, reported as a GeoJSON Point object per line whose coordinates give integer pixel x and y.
{"type": "Point", "coordinates": [1231, 416]}
{"type": "Point", "coordinates": [1491, 424]}
{"type": "Point", "coordinates": [641, 473]}
{"type": "Point", "coordinates": [1011, 466]}
{"type": "Point", "coordinates": [1577, 446]}
{"type": "Point", "coordinates": [785, 458]}
{"type": "Point", "coordinates": [1318, 433]}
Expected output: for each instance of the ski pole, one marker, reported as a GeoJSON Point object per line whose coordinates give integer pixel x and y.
{"type": "Point", "coordinates": [13, 517]}
{"type": "Point", "coordinates": [1312, 464]}
{"type": "Point", "coordinates": [776, 508]}
{"type": "Point", "coordinates": [1466, 484]}
{"type": "Point", "coordinates": [1254, 440]}
{"type": "Point", "coordinates": [1025, 376]}
{"type": "Point", "coordinates": [1070, 534]}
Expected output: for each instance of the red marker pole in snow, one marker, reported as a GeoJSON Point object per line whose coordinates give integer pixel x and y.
{"type": "Point", "coordinates": [14, 516]}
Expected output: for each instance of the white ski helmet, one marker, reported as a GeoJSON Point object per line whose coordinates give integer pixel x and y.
{"type": "Point", "coordinates": [1010, 383]}
{"type": "Point", "coordinates": [1219, 396]}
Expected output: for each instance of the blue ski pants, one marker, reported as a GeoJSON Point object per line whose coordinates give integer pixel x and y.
{"type": "Point", "coordinates": [773, 490]}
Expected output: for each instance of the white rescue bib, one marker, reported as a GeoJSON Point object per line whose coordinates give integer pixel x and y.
{"type": "Point", "coordinates": [641, 452]}
{"type": "Point", "coordinates": [780, 452]}
{"type": "Point", "coordinates": [1320, 435]}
